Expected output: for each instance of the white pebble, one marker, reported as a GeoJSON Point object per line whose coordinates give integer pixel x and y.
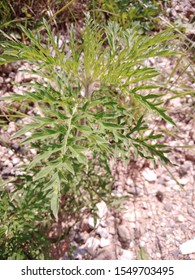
{"type": "Point", "coordinates": [158, 255]}
{"type": "Point", "coordinates": [129, 182]}
{"type": "Point", "coordinates": [181, 218]}
{"type": "Point", "coordinates": [10, 153]}
{"type": "Point", "coordinates": [102, 209]}
{"type": "Point", "coordinates": [188, 247]}
{"type": "Point", "coordinates": [104, 242]}
{"type": "Point", "coordinates": [102, 232]}
{"type": "Point", "coordinates": [126, 255]}
{"type": "Point", "coordinates": [183, 181]}
{"type": "Point", "coordinates": [92, 244]}
{"type": "Point", "coordinates": [142, 243]}
{"type": "Point", "coordinates": [15, 160]}
{"type": "Point", "coordinates": [149, 175]}
{"type": "Point", "coordinates": [33, 151]}
{"type": "Point", "coordinates": [92, 223]}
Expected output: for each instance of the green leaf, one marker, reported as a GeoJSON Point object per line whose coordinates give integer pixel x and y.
{"type": "Point", "coordinates": [44, 156]}
{"type": "Point", "coordinates": [4, 183]}
{"type": "Point", "coordinates": [26, 128]}
{"type": "Point", "coordinates": [112, 126]}
{"type": "Point", "coordinates": [78, 155]}
{"type": "Point", "coordinates": [143, 254]}
{"type": "Point", "coordinates": [55, 199]}
{"type": "Point", "coordinates": [67, 164]}
{"type": "Point", "coordinates": [78, 149]}
{"type": "Point", "coordinates": [44, 120]}
{"type": "Point", "coordinates": [44, 172]}
{"type": "Point", "coordinates": [152, 106]}
{"type": "Point", "coordinates": [83, 128]}
{"type": "Point", "coordinates": [82, 158]}
{"type": "Point", "coordinates": [77, 117]}
{"type": "Point", "coordinates": [44, 134]}
{"type": "Point", "coordinates": [93, 103]}
{"type": "Point", "coordinates": [2, 232]}
{"type": "Point", "coordinates": [153, 96]}
{"type": "Point", "coordinates": [138, 127]}
{"type": "Point", "coordinates": [97, 139]}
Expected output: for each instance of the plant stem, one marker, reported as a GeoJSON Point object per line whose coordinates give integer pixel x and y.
{"type": "Point", "coordinates": [69, 129]}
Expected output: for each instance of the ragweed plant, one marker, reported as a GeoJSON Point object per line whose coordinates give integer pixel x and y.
{"type": "Point", "coordinates": [86, 108]}
{"type": "Point", "coordinates": [24, 217]}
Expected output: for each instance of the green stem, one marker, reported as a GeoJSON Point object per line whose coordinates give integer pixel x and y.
{"type": "Point", "coordinates": [69, 129]}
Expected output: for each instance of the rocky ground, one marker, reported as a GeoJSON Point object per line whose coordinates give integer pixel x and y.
{"type": "Point", "coordinates": [159, 215]}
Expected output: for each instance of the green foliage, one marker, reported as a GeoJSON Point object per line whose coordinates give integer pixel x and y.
{"type": "Point", "coordinates": [24, 214]}
{"type": "Point", "coordinates": [127, 12]}
{"type": "Point", "coordinates": [5, 11]}
{"type": "Point", "coordinates": [86, 103]}
{"type": "Point", "coordinates": [143, 254]}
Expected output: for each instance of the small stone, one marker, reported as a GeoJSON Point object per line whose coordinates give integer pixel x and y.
{"type": "Point", "coordinates": [149, 175]}
{"type": "Point", "coordinates": [172, 223]}
{"type": "Point", "coordinates": [178, 8]}
{"type": "Point", "coordinates": [142, 243]}
{"type": "Point", "coordinates": [10, 153]}
{"type": "Point", "coordinates": [137, 233]}
{"type": "Point", "coordinates": [191, 212]}
{"type": "Point", "coordinates": [183, 181]}
{"type": "Point", "coordinates": [102, 209]}
{"type": "Point", "coordinates": [160, 196]}
{"type": "Point", "coordinates": [103, 232]}
{"type": "Point", "coordinates": [172, 185]}
{"type": "Point", "coordinates": [133, 225]}
{"type": "Point", "coordinates": [133, 190]}
{"type": "Point", "coordinates": [129, 182]}
{"type": "Point", "coordinates": [112, 229]}
{"type": "Point", "coordinates": [92, 244]}
{"type": "Point", "coordinates": [158, 255]}
{"type": "Point", "coordinates": [173, 13]}
{"type": "Point", "coordinates": [108, 253]}
{"type": "Point", "coordinates": [183, 170]}
{"type": "Point", "coordinates": [175, 253]}
{"type": "Point", "coordinates": [8, 163]}
{"type": "Point", "coordinates": [181, 218]}
{"type": "Point", "coordinates": [28, 134]}
{"type": "Point", "coordinates": [103, 223]}
{"type": "Point", "coordinates": [11, 128]}
{"type": "Point", "coordinates": [12, 75]}
{"type": "Point", "coordinates": [169, 126]}
{"type": "Point", "coordinates": [168, 207]}
{"type": "Point", "coordinates": [150, 214]}
{"type": "Point", "coordinates": [104, 242]}
{"type": "Point", "coordinates": [130, 216]}
{"type": "Point", "coordinates": [163, 224]}
{"type": "Point", "coordinates": [21, 77]}
{"type": "Point", "coordinates": [5, 137]}
{"type": "Point", "coordinates": [144, 205]}
{"type": "Point", "coordinates": [8, 80]}
{"type": "Point", "coordinates": [116, 193]}
{"type": "Point", "coordinates": [33, 151]}
{"type": "Point", "coordinates": [79, 253]}
{"type": "Point", "coordinates": [126, 255]}
{"type": "Point", "coordinates": [125, 235]}
{"type": "Point", "coordinates": [15, 161]}
{"type": "Point", "coordinates": [188, 247]}
{"type": "Point", "coordinates": [92, 223]}
{"type": "Point", "coordinates": [6, 171]}
{"type": "Point", "coordinates": [81, 237]}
